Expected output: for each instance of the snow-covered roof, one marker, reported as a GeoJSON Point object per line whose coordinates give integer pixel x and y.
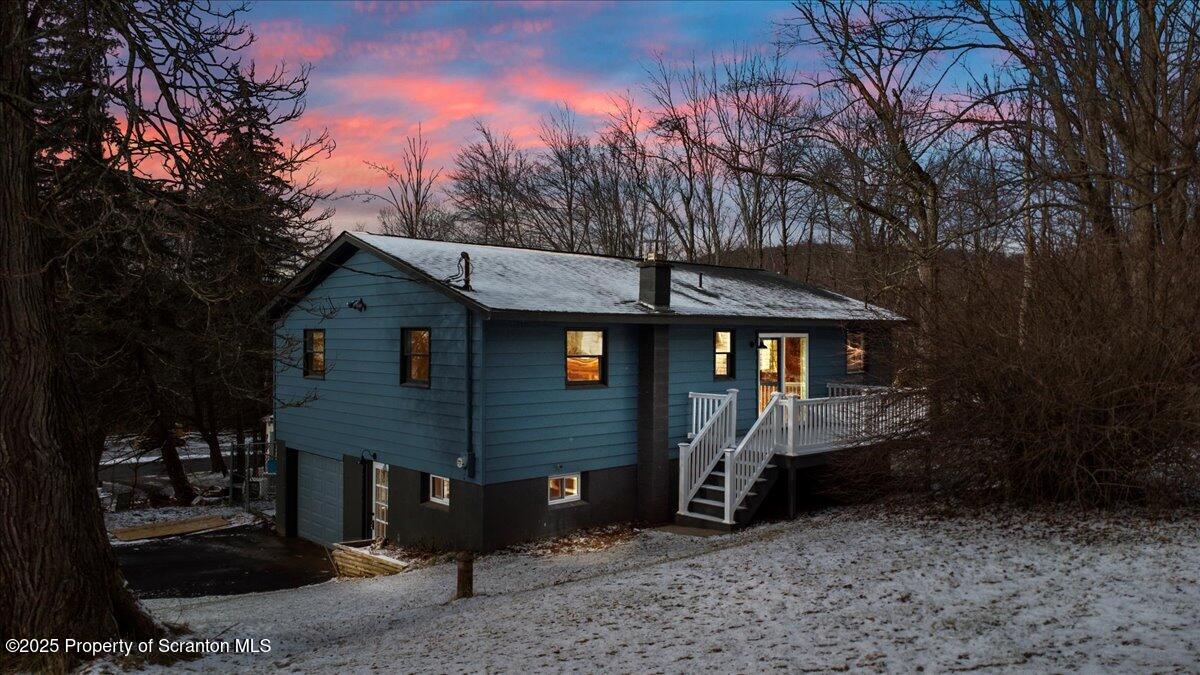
{"type": "Point", "coordinates": [505, 279]}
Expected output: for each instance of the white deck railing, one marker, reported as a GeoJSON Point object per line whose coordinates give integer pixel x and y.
{"type": "Point", "coordinates": [717, 433]}
{"type": "Point", "coordinates": [793, 426]}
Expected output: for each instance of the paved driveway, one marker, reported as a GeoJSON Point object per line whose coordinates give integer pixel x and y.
{"type": "Point", "coordinates": [246, 559]}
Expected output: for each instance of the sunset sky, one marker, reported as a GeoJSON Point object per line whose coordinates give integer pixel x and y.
{"type": "Point", "coordinates": [382, 68]}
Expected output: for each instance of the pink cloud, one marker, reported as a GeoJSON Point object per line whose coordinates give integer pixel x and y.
{"type": "Point", "coordinates": [430, 97]}
{"type": "Point", "coordinates": [290, 40]}
{"type": "Point", "coordinates": [537, 84]}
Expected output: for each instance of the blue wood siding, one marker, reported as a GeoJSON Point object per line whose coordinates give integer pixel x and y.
{"type": "Point", "coordinates": [692, 369]}
{"type": "Point", "coordinates": [538, 426]}
{"type": "Point", "coordinates": [361, 405]}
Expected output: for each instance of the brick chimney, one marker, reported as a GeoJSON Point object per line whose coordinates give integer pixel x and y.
{"type": "Point", "coordinates": [654, 287]}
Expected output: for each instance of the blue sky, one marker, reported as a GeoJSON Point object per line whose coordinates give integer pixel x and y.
{"type": "Point", "coordinates": [380, 69]}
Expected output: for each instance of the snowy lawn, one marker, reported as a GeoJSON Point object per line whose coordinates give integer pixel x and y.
{"type": "Point", "coordinates": [116, 520]}
{"type": "Point", "coordinates": [863, 588]}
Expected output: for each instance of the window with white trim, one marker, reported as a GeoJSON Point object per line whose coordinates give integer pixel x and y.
{"type": "Point", "coordinates": [379, 510]}
{"type": "Point", "coordinates": [563, 489]}
{"type": "Point", "coordinates": [439, 490]}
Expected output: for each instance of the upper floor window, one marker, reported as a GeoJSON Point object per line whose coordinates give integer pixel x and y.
{"type": "Point", "coordinates": [856, 352]}
{"type": "Point", "coordinates": [723, 363]}
{"type": "Point", "coordinates": [414, 361]}
{"type": "Point", "coordinates": [314, 353]}
{"type": "Point", "coordinates": [587, 357]}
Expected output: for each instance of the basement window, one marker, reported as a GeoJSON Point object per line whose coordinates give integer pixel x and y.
{"type": "Point", "coordinates": [379, 512]}
{"type": "Point", "coordinates": [563, 489]}
{"type": "Point", "coordinates": [314, 353]}
{"type": "Point", "coordinates": [723, 361]}
{"type": "Point", "coordinates": [414, 361]}
{"type": "Point", "coordinates": [856, 352]}
{"type": "Point", "coordinates": [587, 359]}
{"type": "Point", "coordinates": [439, 490]}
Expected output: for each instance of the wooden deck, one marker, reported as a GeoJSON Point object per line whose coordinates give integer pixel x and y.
{"type": "Point", "coordinates": [855, 416]}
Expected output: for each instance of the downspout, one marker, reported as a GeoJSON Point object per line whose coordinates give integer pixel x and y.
{"type": "Point", "coordinates": [470, 377]}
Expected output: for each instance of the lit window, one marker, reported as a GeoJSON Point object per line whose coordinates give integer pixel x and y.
{"type": "Point", "coordinates": [564, 488]}
{"type": "Point", "coordinates": [379, 516]}
{"type": "Point", "coordinates": [439, 490]}
{"type": "Point", "coordinates": [856, 352]}
{"type": "Point", "coordinates": [586, 359]}
{"type": "Point", "coordinates": [414, 362]}
{"type": "Point", "coordinates": [314, 353]}
{"type": "Point", "coordinates": [723, 362]}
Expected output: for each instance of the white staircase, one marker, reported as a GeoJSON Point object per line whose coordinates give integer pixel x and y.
{"type": "Point", "coordinates": [720, 474]}
{"type": "Point", "coordinates": [717, 471]}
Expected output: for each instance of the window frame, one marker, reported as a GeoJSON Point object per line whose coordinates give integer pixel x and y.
{"type": "Point", "coordinates": [586, 384]}
{"type": "Point", "coordinates": [306, 360]}
{"type": "Point", "coordinates": [862, 359]}
{"type": "Point", "coordinates": [578, 496]}
{"type": "Point", "coordinates": [731, 363]}
{"type": "Point", "coordinates": [444, 501]}
{"type": "Point", "coordinates": [376, 468]}
{"type": "Point", "coordinates": [406, 365]}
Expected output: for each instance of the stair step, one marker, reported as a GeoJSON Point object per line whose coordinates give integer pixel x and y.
{"type": "Point", "coordinates": [712, 502]}
{"type": "Point", "coordinates": [718, 488]}
{"type": "Point", "coordinates": [721, 474]}
{"type": "Point", "coordinates": [702, 516]}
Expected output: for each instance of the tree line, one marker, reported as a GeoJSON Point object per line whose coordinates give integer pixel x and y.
{"type": "Point", "coordinates": [1019, 179]}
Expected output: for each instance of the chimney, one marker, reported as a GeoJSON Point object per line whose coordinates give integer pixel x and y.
{"type": "Point", "coordinates": [654, 287]}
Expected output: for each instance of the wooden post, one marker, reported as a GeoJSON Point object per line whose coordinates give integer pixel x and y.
{"type": "Point", "coordinates": [466, 575]}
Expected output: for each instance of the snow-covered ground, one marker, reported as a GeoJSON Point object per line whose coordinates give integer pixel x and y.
{"type": "Point", "coordinates": [236, 515]}
{"type": "Point", "coordinates": [124, 450]}
{"type": "Point", "coordinates": [866, 588]}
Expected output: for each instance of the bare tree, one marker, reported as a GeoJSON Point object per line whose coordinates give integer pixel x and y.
{"type": "Point", "coordinates": [410, 209]}
{"type": "Point", "coordinates": [486, 187]}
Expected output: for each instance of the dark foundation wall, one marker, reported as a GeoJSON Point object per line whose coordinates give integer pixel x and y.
{"type": "Point", "coordinates": [501, 514]}
{"type": "Point", "coordinates": [414, 520]}
{"type": "Point", "coordinates": [517, 511]}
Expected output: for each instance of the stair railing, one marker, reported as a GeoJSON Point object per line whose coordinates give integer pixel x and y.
{"type": "Point", "coordinates": [707, 447]}
{"type": "Point", "coordinates": [745, 463]}
{"type": "Point", "coordinates": [703, 407]}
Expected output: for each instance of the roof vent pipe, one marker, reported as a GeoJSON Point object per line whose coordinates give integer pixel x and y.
{"type": "Point", "coordinates": [654, 283]}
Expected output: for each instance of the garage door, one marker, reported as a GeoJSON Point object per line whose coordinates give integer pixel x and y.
{"type": "Point", "coordinates": [318, 498]}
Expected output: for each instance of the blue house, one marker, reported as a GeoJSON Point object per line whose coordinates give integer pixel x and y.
{"type": "Point", "coordinates": [469, 397]}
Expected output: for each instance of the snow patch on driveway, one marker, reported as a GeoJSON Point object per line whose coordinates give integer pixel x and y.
{"type": "Point", "coordinates": [860, 588]}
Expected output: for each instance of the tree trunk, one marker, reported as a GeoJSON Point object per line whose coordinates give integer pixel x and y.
{"type": "Point", "coordinates": [168, 445]}
{"type": "Point", "coordinates": [206, 417]}
{"type": "Point", "coordinates": [58, 576]}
